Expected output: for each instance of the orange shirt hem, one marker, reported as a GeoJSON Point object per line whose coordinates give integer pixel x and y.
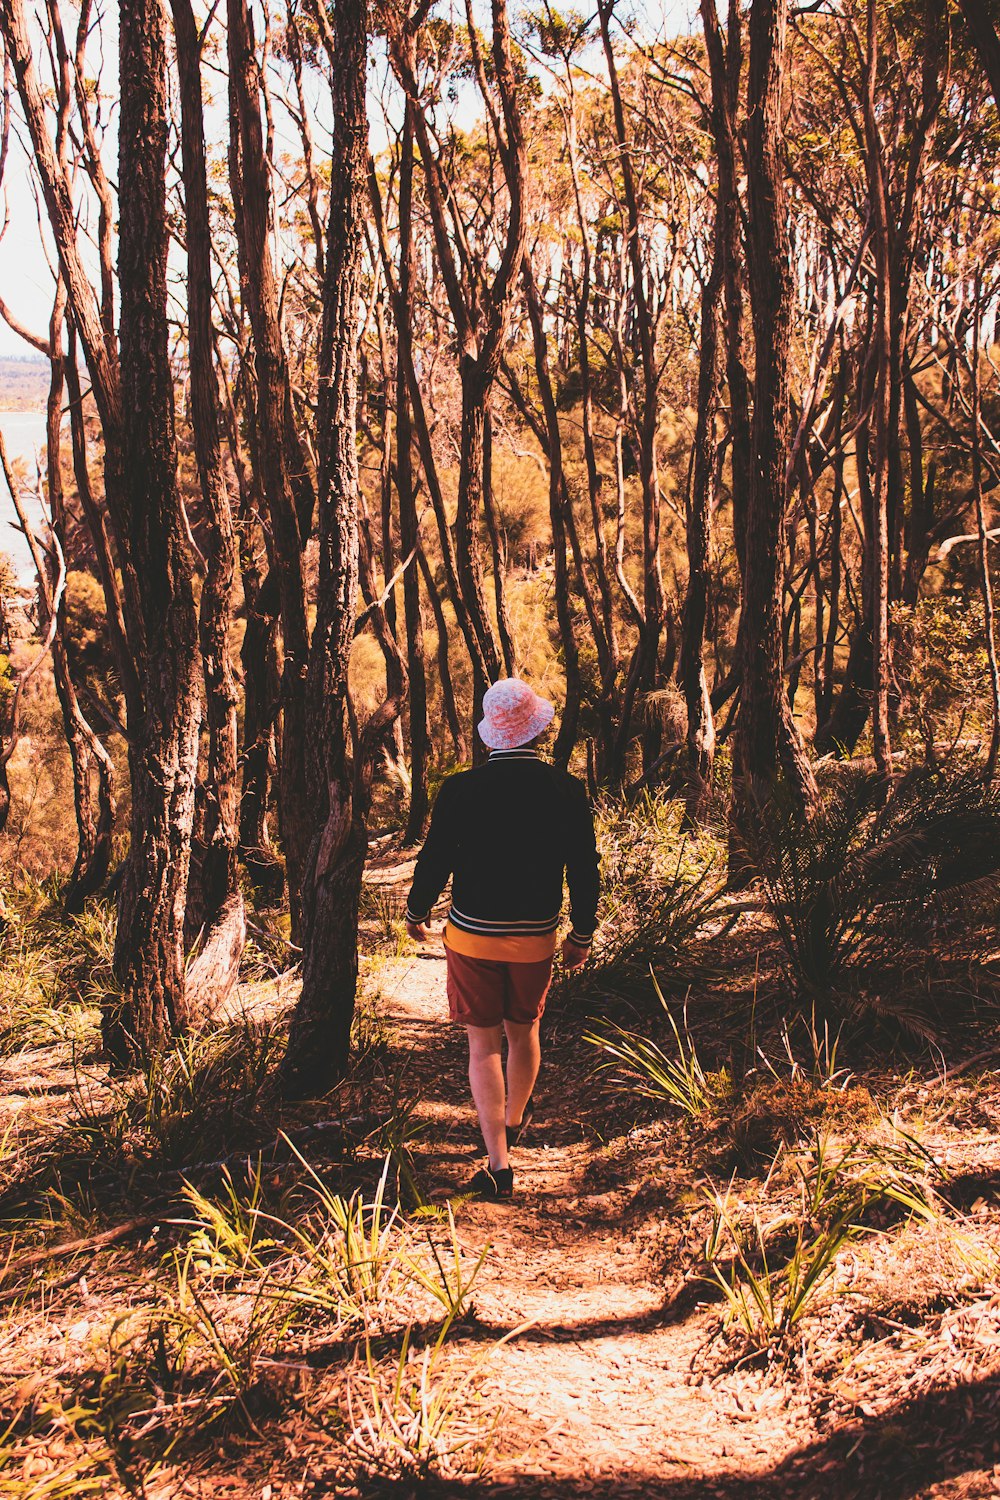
{"type": "Point", "coordinates": [512, 950]}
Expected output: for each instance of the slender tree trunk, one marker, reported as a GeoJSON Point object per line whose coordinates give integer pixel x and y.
{"type": "Point", "coordinates": [261, 691]}
{"type": "Point", "coordinates": [766, 745]}
{"type": "Point", "coordinates": [163, 748]}
{"type": "Point", "coordinates": [487, 664]}
{"type": "Point", "coordinates": [96, 517]}
{"type": "Point", "coordinates": [459, 743]}
{"type": "Point", "coordinates": [408, 526]}
{"type": "Point", "coordinates": [319, 1040]}
{"type": "Point", "coordinates": [87, 753]}
{"type": "Point", "coordinates": [385, 614]}
{"type": "Point", "coordinates": [558, 498]}
{"type": "Point", "coordinates": [275, 441]}
{"type": "Point", "coordinates": [700, 720]}
{"type": "Point", "coordinates": [643, 674]}
{"type": "Point", "coordinates": [881, 412]}
{"type": "Point", "coordinates": [985, 578]}
{"type": "Point", "coordinates": [725, 60]}
{"type": "Point", "coordinates": [497, 553]}
{"type": "Point", "coordinates": [215, 969]}
{"type": "Point", "coordinates": [582, 309]}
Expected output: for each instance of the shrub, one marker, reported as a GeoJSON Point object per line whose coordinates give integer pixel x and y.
{"type": "Point", "coordinates": [862, 891]}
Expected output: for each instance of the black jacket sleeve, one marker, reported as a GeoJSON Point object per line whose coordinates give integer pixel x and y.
{"type": "Point", "coordinates": [436, 860]}
{"type": "Point", "coordinates": [582, 873]}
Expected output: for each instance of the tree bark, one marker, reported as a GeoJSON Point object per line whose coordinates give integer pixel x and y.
{"type": "Point", "coordinates": [766, 747]}
{"type": "Point", "coordinates": [497, 553]}
{"type": "Point", "coordinates": [558, 499]}
{"type": "Point", "coordinates": [985, 577]}
{"type": "Point", "coordinates": [273, 420]}
{"type": "Point", "coordinates": [880, 415]}
{"type": "Point", "coordinates": [214, 970]}
{"type": "Point", "coordinates": [700, 505]}
{"type": "Point", "coordinates": [319, 1040]}
{"type": "Point", "coordinates": [643, 672]}
{"type": "Point", "coordinates": [150, 602]}
{"type": "Point", "coordinates": [725, 59]}
{"type": "Point", "coordinates": [416, 818]}
{"type": "Point", "coordinates": [87, 753]}
{"type": "Point", "coordinates": [459, 743]}
{"type": "Point", "coordinates": [163, 740]}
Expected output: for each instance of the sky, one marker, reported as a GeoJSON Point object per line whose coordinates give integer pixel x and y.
{"type": "Point", "coordinates": [25, 275]}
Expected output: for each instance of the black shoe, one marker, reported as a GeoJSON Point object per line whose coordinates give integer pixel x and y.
{"type": "Point", "coordinates": [514, 1132]}
{"type": "Point", "coordinates": [493, 1183]}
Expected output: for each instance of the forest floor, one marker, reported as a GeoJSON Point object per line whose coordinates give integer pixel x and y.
{"type": "Point", "coordinates": [593, 1354]}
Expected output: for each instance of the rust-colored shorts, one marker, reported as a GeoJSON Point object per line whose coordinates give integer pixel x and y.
{"type": "Point", "coordinates": [485, 991]}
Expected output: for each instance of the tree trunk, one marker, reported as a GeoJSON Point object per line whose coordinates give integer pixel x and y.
{"type": "Point", "coordinates": [214, 971]}
{"type": "Point", "coordinates": [725, 61]}
{"type": "Point", "coordinates": [643, 673]}
{"type": "Point", "coordinates": [261, 691]}
{"type": "Point", "coordinates": [985, 577]}
{"type": "Point", "coordinates": [251, 201]}
{"type": "Point", "coordinates": [558, 498]}
{"type": "Point", "coordinates": [497, 553]}
{"type": "Point", "coordinates": [163, 739]}
{"type": "Point", "coordinates": [486, 664]}
{"type": "Point", "coordinates": [766, 745]}
{"type": "Point", "coordinates": [458, 740]}
{"type": "Point", "coordinates": [700, 720]}
{"type": "Point", "coordinates": [408, 527]}
{"type": "Point", "coordinates": [87, 753]}
{"type": "Point", "coordinates": [319, 1041]}
{"type": "Point", "coordinates": [881, 413]}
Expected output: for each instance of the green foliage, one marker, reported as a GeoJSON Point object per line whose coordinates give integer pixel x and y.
{"type": "Point", "coordinates": [87, 640]}
{"type": "Point", "coordinates": [659, 893]}
{"type": "Point", "coordinates": [56, 969]}
{"type": "Point", "coordinates": [947, 676]}
{"type": "Point", "coordinates": [863, 889]}
{"type": "Point", "coordinates": [230, 1307]}
{"type": "Point", "coordinates": [771, 1275]}
{"type": "Point", "coordinates": [648, 1071]}
{"type": "Point", "coordinates": [199, 1100]}
{"type": "Point", "coordinates": [416, 1418]}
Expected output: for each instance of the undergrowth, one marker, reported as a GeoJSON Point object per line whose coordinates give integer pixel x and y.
{"type": "Point", "coordinates": [311, 1300]}
{"type": "Point", "coordinates": [660, 891]}
{"type": "Point", "coordinates": [869, 894]}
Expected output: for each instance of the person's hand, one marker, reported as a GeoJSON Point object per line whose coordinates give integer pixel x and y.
{"type": "Point", "coordinates": [420, 932]}
{"type": "Point", "coordinates": [574, 957]}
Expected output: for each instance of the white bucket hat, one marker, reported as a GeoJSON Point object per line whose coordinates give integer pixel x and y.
{"type": "Point", "coordinates": [513, 715]}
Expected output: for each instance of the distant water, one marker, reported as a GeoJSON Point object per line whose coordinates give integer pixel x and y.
{"type": "Point", "coordinates": [24, 435]}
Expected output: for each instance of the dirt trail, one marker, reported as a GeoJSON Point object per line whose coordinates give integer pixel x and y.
{"type": "Point", "coordinates": [613, 1380]}
{"type": "Point", "coordinates": [601, 1384]}
{"type": "Point", "coordinates": [621, 1386]}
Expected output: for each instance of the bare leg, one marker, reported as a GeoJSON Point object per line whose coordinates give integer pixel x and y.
{"type": "Point", "coordinates": [486, 1081]}
{"type": "Point", "coordinates": [524, 1056]}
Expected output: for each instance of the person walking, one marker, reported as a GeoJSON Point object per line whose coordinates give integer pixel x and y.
{"type": "Point", "coordinates": [507, 833]}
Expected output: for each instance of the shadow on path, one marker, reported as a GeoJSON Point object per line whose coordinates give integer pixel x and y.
{"type": "Point", "coordinates": [944, 1434]}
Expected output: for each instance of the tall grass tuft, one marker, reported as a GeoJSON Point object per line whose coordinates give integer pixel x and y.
{"type": "Point", "coordinates": [640, 1066]}
{"type": "Point", "coordinates": [772, 1275]}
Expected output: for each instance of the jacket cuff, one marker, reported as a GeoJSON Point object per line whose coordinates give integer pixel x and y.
{"type": "Point", "coordinates": [411, 916]}
{"type": "Point", "coordinates": [581, 939]}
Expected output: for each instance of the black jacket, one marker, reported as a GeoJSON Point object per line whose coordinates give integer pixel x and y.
{"type": "Point", "coordinates": [507, 832]}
